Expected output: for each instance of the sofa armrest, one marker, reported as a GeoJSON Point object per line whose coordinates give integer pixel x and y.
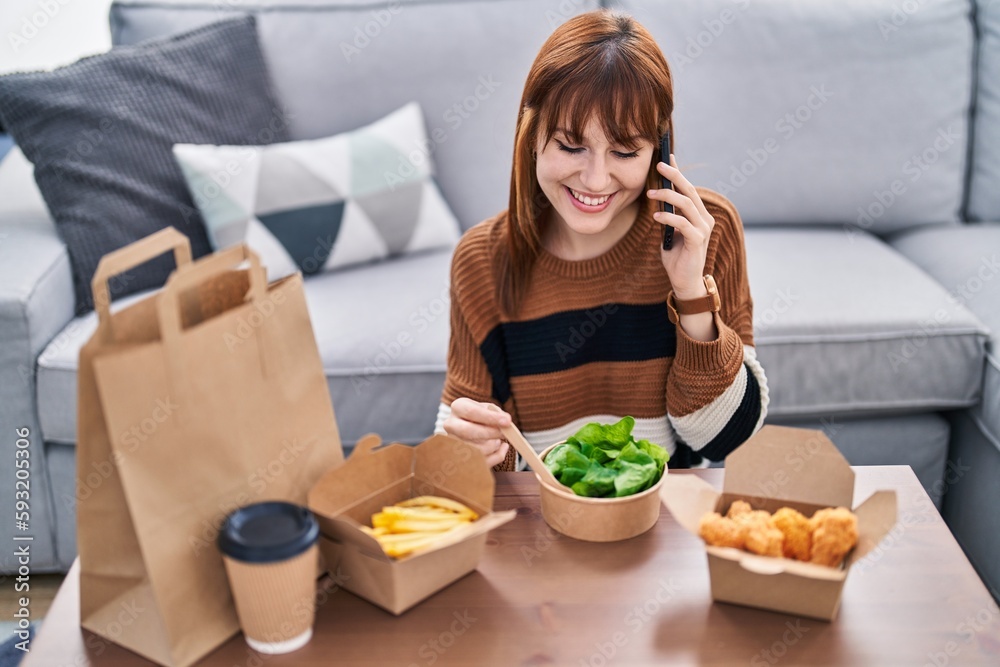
{"type": "Point", "coordinates": [36, 280]}
{"type": "Point", "coordinates": [36, 303]}
{"type": "Point", "coordinates": [36, 296]}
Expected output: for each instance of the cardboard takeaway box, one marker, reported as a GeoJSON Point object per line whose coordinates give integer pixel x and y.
{"type": "Point", "coordinates": [346, 497]}
{"type": "Point", "coordinates": [777, 467]}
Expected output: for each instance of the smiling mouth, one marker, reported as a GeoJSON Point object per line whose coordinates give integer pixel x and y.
{"type": "Point", "coordinates": [589, 199]}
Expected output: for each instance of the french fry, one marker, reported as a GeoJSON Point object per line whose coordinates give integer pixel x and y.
{"type": "Point", "coordinates": [421, 513]}
{"type": "Point", "coordinates": [403, 524]}
{"type": "Point", "coordinates": [418, 523]}
{"type": "Point", "coordinates": [400, 549]}
{"type": "Point", "coordinates": [403, 544]}
{"type": "Point", "coordinates": [412, 526]}
{"type": "Point", "coordinates": [438, 501]}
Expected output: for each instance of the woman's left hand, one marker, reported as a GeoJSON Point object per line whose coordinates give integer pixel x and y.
{"type": "Point", "coordinates": [692, 223]}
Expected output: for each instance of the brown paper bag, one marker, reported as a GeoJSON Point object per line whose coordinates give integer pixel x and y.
{"type": "Point", "coordinates": [204, 397]}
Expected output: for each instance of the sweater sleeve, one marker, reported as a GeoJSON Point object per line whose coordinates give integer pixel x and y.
{"type": "Point", "coordinates": [470, 293]}
{"type": "Point", "coordinates": [468, 374]}
{"type": "Point", "coordinates": [717, 393]}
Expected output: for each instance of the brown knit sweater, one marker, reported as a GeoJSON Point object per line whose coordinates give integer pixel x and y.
{"type": "Point", "coordinates": [593, 343]}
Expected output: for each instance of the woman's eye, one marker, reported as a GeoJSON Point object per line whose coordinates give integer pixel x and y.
{"type": "Point", "coordinates": [564, 147]}
{"type": "Point", "coordinates": [626, 156]}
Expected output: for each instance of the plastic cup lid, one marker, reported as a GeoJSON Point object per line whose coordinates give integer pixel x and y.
{"type": "Point", "coordinates": [268, 532]}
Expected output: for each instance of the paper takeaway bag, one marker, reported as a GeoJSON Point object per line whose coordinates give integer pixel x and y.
{"type": "Point", "coordinates": [204, 397]}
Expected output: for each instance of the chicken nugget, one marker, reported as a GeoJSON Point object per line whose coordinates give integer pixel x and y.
{"type": "Point", "coordinates": [737, 508]}
{"type": "Point", "coordinates": [763, 538]}
{"type": "Point", "coordinates": [798, 535]}
{"type": "Point", "coordinates": [753, 517]}
{"type": "Point", "coordinates": [834, 533]}
{"type": "Point", "coordinates": [721, 531]}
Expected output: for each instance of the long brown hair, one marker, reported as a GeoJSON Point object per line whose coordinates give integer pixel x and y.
{"type": "Point", "coordinates": [603, 65]}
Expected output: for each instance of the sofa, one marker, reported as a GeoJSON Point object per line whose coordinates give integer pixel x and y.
{"type": "Point", "coordinates": [859, 142]}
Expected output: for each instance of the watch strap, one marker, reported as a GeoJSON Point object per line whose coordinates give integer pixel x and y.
{"type": "Point", "coordinates": [710, 303]}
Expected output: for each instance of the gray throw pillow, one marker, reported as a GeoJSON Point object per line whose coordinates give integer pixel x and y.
{"type": "Point", "coordinates": [99, 133]}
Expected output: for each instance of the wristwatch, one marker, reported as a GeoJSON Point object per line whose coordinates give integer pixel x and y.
{"type": "Point", "coordinates": [706, 304]}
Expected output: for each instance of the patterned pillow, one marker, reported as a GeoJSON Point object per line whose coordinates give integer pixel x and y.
{"type": "Point", "coordinates": [324, 204]}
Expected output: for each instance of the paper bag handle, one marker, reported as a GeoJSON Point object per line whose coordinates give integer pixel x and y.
{"type": "Point", "coordinates": [132, 255]}
{"type": "Point", "coordinates": [205, 268]}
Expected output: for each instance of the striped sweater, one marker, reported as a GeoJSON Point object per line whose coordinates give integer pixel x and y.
{"type": "Point", "coordinates": [593, 343]}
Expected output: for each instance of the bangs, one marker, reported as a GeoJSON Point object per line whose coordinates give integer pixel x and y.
{"type": "Point", "coordinates": [610, 90]}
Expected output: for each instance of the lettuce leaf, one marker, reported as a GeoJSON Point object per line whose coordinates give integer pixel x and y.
{"type": "Point", "coordinates": [658, 453]}
{"type": "Point", "coordinates": [598, 482]}
{"type": "Point", "coordinates": [609, 437]}
{"type": "Point", "coordinates": [633, 478]}
{"type": "Point", "coordinates": [605, 460]}
{"type": "Point", "coordinates": [567, 463]}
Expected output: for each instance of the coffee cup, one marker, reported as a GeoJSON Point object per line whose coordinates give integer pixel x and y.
{"type": "Point", "coordinates": [271, 557]}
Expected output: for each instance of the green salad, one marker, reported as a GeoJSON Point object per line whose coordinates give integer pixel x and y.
{"type": "Point", "coordinates": [605, 461]}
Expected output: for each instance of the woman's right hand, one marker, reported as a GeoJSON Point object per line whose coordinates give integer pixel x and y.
{"type": "Point", "coordinates": [479, 425]}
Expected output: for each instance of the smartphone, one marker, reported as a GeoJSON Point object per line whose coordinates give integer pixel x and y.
{"type": "Point", "coordinates": [665, 184]}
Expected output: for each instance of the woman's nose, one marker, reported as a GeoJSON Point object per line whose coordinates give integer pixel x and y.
{"type": "Point", "coordinates": [596, 175]}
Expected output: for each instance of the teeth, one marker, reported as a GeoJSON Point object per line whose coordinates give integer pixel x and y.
{"type": "Point", "coordinates": [588, 200]}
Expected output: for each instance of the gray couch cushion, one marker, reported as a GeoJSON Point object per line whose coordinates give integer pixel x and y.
{"type": "Point", "coordinates": [56, 374]}
{"type": "Point", "coordinates": [984, 195]}
{"type": "Point", "coordinates": [803, 112]}
{"type": "Point", "coordinates": [383, 337]}
{"type": "Point", "coordinates": [352, 62]}
{"type": "Point", "coordinates": [846, 325]}
{"type": "Point", "coordinates": [966, 261]}
{"type": "Point", "coordinates": [99, 132]}
{"type": "Point", "coordinates": [382, 332]}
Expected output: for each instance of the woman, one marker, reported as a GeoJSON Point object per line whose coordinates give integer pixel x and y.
{"type": "Point", "coordinates": [563, 306]}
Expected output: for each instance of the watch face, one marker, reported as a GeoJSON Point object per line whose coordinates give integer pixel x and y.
{"type": "Point", "coordinates": [713, 292]}
{"type": "Point", "coordinates": [710, 284]}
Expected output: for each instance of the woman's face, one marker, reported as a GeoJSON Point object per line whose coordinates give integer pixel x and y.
{"type": "Point", "coordinates": [592, 185]}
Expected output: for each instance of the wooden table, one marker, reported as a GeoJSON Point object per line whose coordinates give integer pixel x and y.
{"type": "Point", "coordinates": [542, 599]}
